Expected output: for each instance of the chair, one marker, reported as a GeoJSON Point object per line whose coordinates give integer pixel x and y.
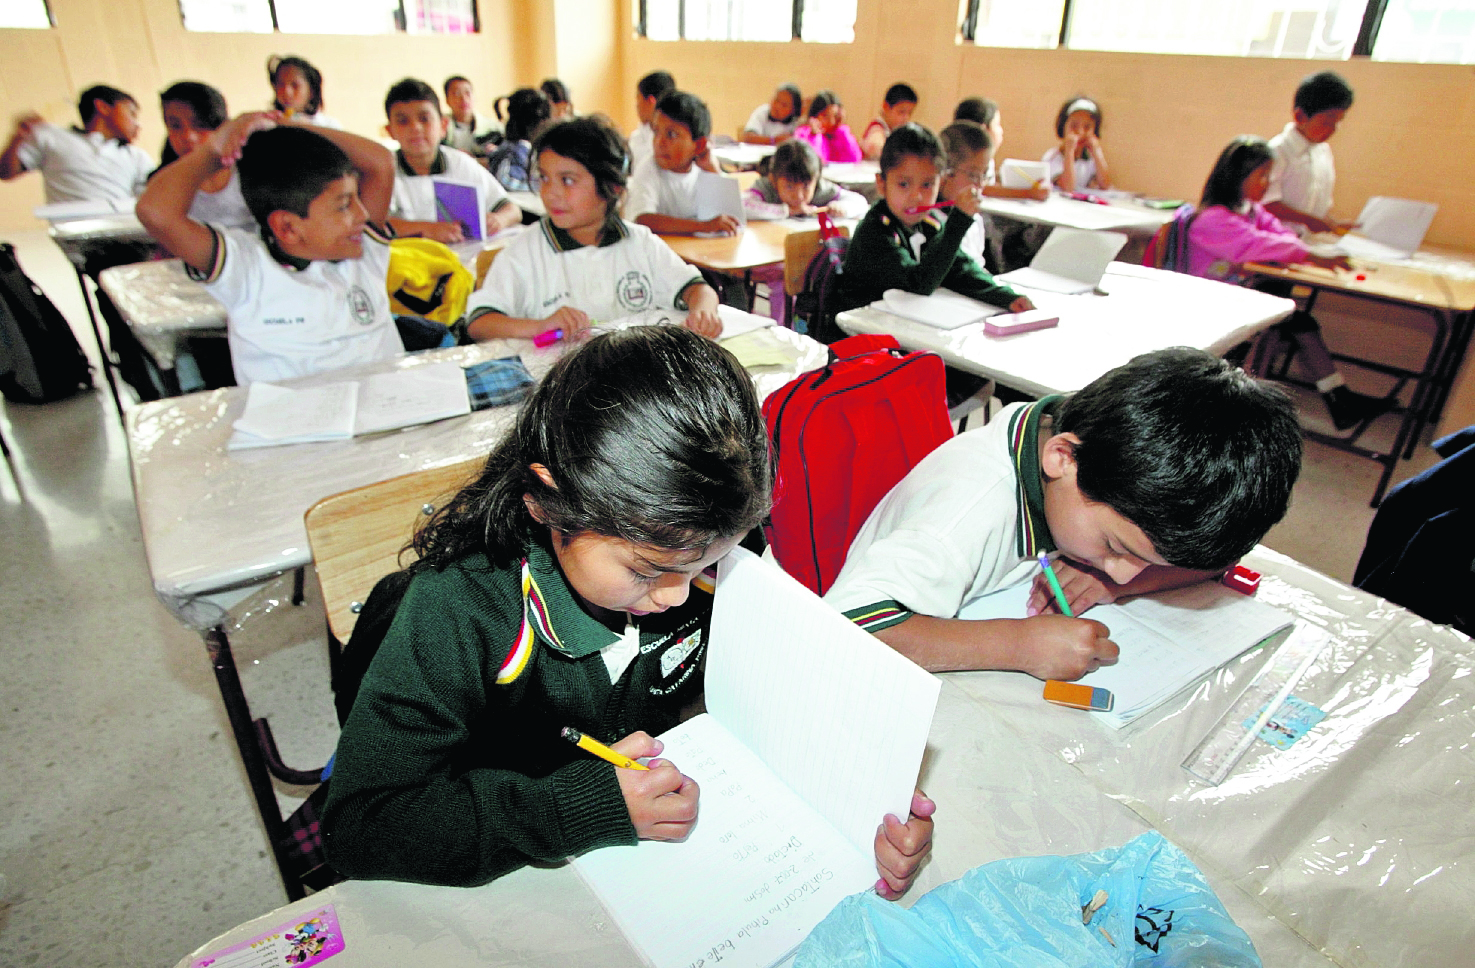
{"type": "Point", "coordinates": [484, 260]}
{"type": "Point", "coordinates": [356, 538]}
{"type": "Point", "coordinates": [800, 251]}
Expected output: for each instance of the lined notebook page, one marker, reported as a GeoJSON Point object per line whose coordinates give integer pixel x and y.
{"type": "Point", "coordinates": [760, 870]}
{"type": "Point", "coordinates": [1167, 641]}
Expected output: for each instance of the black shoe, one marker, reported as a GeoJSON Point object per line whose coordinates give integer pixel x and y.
{"type": "Point", "coordinates": [1349, 408]}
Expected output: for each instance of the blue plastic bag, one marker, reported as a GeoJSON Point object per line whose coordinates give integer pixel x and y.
{"type": "Point", "coordinates": [1026, 913]}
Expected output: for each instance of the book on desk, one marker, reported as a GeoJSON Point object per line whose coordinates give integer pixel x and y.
{"type": "Point", "coordinates": [797, 768]}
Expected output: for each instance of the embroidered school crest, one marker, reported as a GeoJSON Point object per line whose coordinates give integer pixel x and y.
{"type": "Point", "coordinates": [634, 291]}
{"type": "Point", "coordinates": [677, 653]}
{"type": "Point", "coordinates": [360, 305]}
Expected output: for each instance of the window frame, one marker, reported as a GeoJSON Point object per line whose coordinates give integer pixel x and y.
{"type": "Point", "coordinates": [642, 21]}
{"type": "Point", "coordinates": [401, 17]}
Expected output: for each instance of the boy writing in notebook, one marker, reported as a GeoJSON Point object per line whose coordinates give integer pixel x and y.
{"type": "Point", "coordinates": [416, 123]}
{"type": "Point", "coordinates": [663, 189]}
{"type": "Point", "coordinates": [1303, 176]}
{"type": "Point", "coordinates": [304, 293]}
{"type": "Point", "coordinates": [1160, 473]}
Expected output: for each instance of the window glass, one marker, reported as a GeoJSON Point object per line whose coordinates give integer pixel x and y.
{"type": "Point", "coordinates": [1322, 29]}
{"type": "Point", "coordinates": [1429, 31]}
{"type": "Point", "coordinates": [440, 16]}
{"type": "Point", "coordinates": [337, 16]}
{"type": "Point", "coordinates": [823, 21]}
{"type": "Point", "coordinates": [24, 13]}
{"type": "Point", "coordinates": [828, 22]}
{"type": "Point", "coordinates": [1009, 23]}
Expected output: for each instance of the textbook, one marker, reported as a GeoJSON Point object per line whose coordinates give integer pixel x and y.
{"type": "Point", "coordinates": [276, 415]}
{"type": "Point", "coordinates": [1169, 640]}
{"type": "Point", "coordinates": [463, 202]}
{"type": "Point", "coordinates": [814, 731]}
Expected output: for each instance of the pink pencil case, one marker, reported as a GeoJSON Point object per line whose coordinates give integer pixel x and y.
{"type": "Point", "coordinates": [1011, 323]}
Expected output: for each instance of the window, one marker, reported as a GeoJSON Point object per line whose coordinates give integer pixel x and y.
{"type": "Point", "coordinates": [1008, 23]}
{"type": "Point", "coordinates": [1433, 31]}
{"type": "Point", "coordinates": [25, 13]}
{"type": "Point", "coordinates": [817, 21]}
{"type": "Point", "coordinates": [330, 16]}
{"type": "Point", "coordinates": [1259, 28]}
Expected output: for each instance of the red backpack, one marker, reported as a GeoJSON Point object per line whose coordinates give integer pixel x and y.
{"type": "Point", "coordinates": [842, 437]}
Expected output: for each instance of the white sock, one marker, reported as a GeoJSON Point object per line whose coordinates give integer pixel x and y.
{"type": "Point", "coordinates": [1329, 383]}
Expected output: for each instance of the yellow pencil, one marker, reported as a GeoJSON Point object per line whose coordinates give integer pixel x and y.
{"type": "Point", "coordinates": [589, 744]}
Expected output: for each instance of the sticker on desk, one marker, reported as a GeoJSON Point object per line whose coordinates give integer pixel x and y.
{"type": "Point", "coordinates": [1294, 720]}
{"type": "Point", "coordinates": [299, 943]}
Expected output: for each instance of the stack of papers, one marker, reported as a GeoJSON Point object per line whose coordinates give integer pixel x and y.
{"type": "Point", "coordinates": [943, 309]}
{"type": "Point", "coordinates": [1168, 640]}
{"type": "Point", "coordinates": [276, 415]}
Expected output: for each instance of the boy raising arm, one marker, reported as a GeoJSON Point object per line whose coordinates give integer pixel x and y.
{"type": "Point", "coordinates": [1158, 474]}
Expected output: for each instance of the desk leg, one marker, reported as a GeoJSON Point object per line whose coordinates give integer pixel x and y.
{"type": "Point", "coordinates": [103, 354]}
{"type": "Point", "coordinates": [239, 714]}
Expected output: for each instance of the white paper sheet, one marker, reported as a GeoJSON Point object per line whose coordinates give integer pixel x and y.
{"type": "Point", "coordinates": [1070, 261]}
{"type": "Point", "coordinates": [718, 195]}
{"type": "Point", "coordinates": [944, 309]}
{"type": "Point", "coordinates": [1016, 173]}
{"type": "Point", "coordinates": [405, 398]}
{"type": "Point", "coordinates": [1398, 223]}
{"type": "Point", "coordinates": [278, 415]}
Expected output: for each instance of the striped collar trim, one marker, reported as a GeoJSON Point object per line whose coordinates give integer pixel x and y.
{"type": "Point", "coordinates": [614, 230]}
{"type": "Point", "coordinates": [437, 167]}
{"type": "Point", "coordinates": [1031, 532]}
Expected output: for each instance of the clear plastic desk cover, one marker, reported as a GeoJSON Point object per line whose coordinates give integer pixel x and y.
{"type": "Point", "coordinates": [215, 521]}
{"type": "Point", "coordinates": [162, 305]}
{"type": "Point", "coordinates": [1359, 836]}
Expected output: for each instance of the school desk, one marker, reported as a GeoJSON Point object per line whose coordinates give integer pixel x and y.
{"type": "Point", "coordinates": [218, 524]}
{"type": "Point", "coordinates": [858, 176]}
{"type": "Point", "coordinates": [741, 157]}
{"type": "Point", "coordinates": [1440, 283]}
{"type": "Point", "coordinates": [759, 244]}
{"type": "Point", "coordinates": [78, 239]}
{"type": "Point", "coordinates": [1117, 215]}
{"type": "Point", "coordinates": [1142, 309]}
{"type": "Point", "coordinates": [1351, 848]}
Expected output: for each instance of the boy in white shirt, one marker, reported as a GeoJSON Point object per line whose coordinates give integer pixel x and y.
{"type": "Point", "coordinates": [95, 162]}
{"type": "Point", "coordinates": [648, 93]}
{"type": "Point", "coordinates": [306, 292]}
{"type": "Point", "coordinates": [663, 189]}
{"type": "Point", "coordinates": [465, 129]}
{"type": "Point", "coordinates": [416, 123]}
{"type": "Point", "coordinates": [1303, 176]}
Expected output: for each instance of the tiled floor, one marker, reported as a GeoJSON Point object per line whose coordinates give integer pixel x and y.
{"type": "Point", "coordinates": [127, 834]}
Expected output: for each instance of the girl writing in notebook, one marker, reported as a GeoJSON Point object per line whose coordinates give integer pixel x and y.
{"type": "Point", "coordinates": [1079, 161]}
{"type": "Point", "coordinates": [565, 587]}
{"type": "Point", "coordinates": [582, 263]}
{"type": "Point", "coordinates": [1232, 227]}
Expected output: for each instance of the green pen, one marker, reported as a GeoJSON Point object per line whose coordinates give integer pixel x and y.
{"type": "Point", "coordinates": [1055, 586]}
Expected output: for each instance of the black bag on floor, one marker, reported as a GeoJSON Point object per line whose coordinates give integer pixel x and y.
{"type": "Point", "coordinates": [40, 360]}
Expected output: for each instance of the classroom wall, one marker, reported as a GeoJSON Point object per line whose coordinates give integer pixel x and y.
{"type": "Point", "coordinates": [141, 46]}
{"type": "Point", "coordinates": [1411, 133]}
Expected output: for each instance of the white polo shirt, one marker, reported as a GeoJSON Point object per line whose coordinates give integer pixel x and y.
{"type": "Point", "coordinates": [655, 191]}
{"type": "Point", "coordinates": [761, 122]}
{"type": "Point", "coordinates": [1302, 175]}
{"type": "Point", "coordinates": [463, 136]}
{"type": "Point", "coordinates": [630, 271]}
{"type": "Point", "coordinates": [84, 166]}
{"type": "Point", "coordinates": [414, 195]}
{"type": "Point", "coordinates": [950, 531]}
{"type": "Point", "coordinates": [642, 142]}
{"type": "Point", "coordinates": [1085, 167]}
{"type": "Point", "coordinates": [286, 322]}
{"type": "Point", "coordinates": [226, 208]}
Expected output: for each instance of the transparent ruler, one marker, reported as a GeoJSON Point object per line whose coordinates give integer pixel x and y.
{"type": "Point", "coordinates": [1214, 758]}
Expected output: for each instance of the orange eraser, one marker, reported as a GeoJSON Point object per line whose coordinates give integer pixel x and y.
{"type": "Point", "coordinates": [1077, 696]}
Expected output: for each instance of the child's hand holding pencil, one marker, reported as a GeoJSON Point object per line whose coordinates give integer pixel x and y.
{"type": "Point", "coordinates": [662, 802]}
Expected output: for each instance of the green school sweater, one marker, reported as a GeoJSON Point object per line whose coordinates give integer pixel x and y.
{"type": "Point", "coordinates": [451, 768]}
{"type": "Point", "coordinates": [880, 257]}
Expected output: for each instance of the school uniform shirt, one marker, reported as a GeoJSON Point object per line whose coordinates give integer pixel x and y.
{"type": "Point", "coordinates": [655, 191]}
{"type": "Point", "coordinates": [629, 271]}
{"type": "Point", "coordinates": [969, 519]}
{"type": "Point", "coordinates": [293, 317]}
{"type": "Point", "coordinates": [1302, 174]}
{"type": "Point", "coordinates": [1085, 167]}
{"type": "Point", "coordinates": [762, 200]}
{"type": "Point", "coordinates": [836, 146]}
{"type": "Point", "coordinates": [471, 136]}
{"type": "Point", "coordinates": [975, 240]}
{"type": "Point", "coordinates": [1220, 240]}
{"type": "Point", "coordinates": [414, 194]}
{"type": "Point", "coordinates": [762, 123]}
{"type": "Point", "coordinates": [84, 166]}
{"type": "Point", "coordinates": [451, 768]}
{"type": "Point", "coordinates": [226, 208]}
{"type": "Point", "coordinates": [642, 142]}
{"type": "Point", "coordinates": [321, 120]}
{"type": "Point", "coordinates": [884, 254]}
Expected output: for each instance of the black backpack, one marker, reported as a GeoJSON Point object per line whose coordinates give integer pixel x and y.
{"type": "Point", "coordinates": [816, 302]}
{"type": "Point", "coordinates": [40, 360]}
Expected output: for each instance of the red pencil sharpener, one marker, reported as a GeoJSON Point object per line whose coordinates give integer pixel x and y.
{"type": "Point", "coordinates": [1242, 580]}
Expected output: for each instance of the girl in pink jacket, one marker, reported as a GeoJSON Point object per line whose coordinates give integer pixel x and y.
{"type": "Point", "coordinates": [1231, 227]}
{"type": "Point", "coordinates": [827, 131]}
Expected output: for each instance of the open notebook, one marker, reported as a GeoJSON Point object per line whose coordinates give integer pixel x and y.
{"type": "Point", "coordinates": [796, 769]}
{"type": "Point", "coordinates": [1168, 640]}
{"type": "Point", "coordinates": [276, 415]}
{"type": "Point", "coordinates": [1071, 261]}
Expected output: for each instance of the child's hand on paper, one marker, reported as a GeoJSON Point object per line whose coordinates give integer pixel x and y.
{"type": "Point", "coordinates": [1083, 588]}
{"type": "Point", "coordinates": [448, 233]}
{"type": "Point", "coordinates": [722, 225]}
{"type": "Point", "coordinates": [662, 802]}
{"type": "Point", "coordinates": [573, 322]}
{"type": "Point", "coordinates": [1057, 647]}
{"type": "Point", "coordinates": [902, 847]}
{"type": "Point", "coordinates": [704, 322]}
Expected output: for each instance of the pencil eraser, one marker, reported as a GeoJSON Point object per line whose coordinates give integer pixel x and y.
{"type": "Point", "coordinates": [1242, 579]}
{"type": "Point", "coordinates": [1010, 323]}
{"type": "Point", "coordinates": [1077, 696]}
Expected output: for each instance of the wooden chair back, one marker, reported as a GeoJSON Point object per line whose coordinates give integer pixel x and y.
{"type": "Point", "coordinates": [356, 536]}
{"type": "Point", "coordinates": [484, 260]}
{"type": "Point", "coordinates": [799, 250]}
